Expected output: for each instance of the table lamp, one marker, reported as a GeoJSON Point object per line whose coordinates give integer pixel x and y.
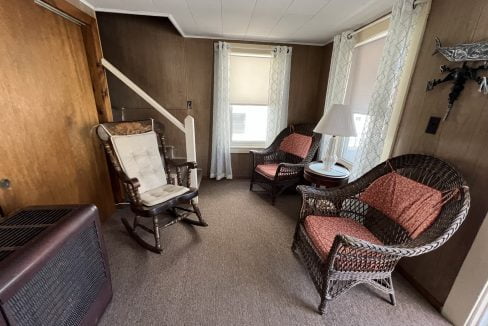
{"type": "Point", "coordinates": [338, 121]}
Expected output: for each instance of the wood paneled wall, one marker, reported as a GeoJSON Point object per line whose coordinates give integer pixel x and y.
{"type": "Point", "coordinates": [174, 69]}
{"type": "Point", "coordinates": [461, 140]}
{"type": "Point", "coordinates": [49, 106]}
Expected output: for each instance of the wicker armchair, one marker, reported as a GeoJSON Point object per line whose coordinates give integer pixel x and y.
{"type": "Point", "coordinates": [136, 150]}
{"type": "Point", "coordinates": [274, 169]}
{"type": "Point", "coordinates": [352, 261]}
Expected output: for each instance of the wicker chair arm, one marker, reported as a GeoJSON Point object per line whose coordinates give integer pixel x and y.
{"type": "Point", "coordinates": [349, 254]}
{"type": "Point", "coordinates": [324, 202]}
{"type": "Point", "coordinates": [264, 151]}
{"type": "Point", "coordinates": [377, 249]}
{"type": "Point", "coordinates": [341, 193]}
{"type": "Point", "coordinates": [296, 166]}
{"type": "Point", "coordinates": [286, 170]}
{"type": "Point", "coordinates": [265, 156]}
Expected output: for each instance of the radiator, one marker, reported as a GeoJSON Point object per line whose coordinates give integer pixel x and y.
{"type": "Point", "coordinates": [53, 267]}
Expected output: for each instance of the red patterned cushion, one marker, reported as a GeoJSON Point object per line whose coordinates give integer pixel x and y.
{"type": "Point", "coordinates": [322, 230]}
{"type": "Point", "coordinates": [409, 203]}
{"type": "Point", "coordinates": [267, 170]}
{"type": "Point", "coordinates": [296, 144]}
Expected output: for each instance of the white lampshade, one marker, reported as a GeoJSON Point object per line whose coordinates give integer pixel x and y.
{"type": "Point", "coordinates": [337, 122]}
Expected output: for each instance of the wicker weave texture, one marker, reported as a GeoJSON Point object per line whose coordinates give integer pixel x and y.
{"type": "Point", "coordinates": [290, 167]}
{"type": "Point", "coordinates": [352, 261]}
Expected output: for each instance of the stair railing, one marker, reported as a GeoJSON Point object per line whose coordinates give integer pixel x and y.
{"type": "Point", "coordinates": [188, 127]}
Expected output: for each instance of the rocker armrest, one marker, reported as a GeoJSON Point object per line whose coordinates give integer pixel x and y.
{"type": "Point", "coordinates": [189, 165]}
{"type": "Point", "coordinates": [131, 186]}
{"type": "Point", "coordinates": [132, 182]}
{"type": "Point", "coordinates": [179, 167]}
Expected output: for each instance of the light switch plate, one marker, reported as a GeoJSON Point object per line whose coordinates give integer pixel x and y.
{"type": "Point", "coordinates": [433, 125]}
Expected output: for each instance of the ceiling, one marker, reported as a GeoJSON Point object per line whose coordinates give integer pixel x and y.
{"type": "Point", "coordinates": [292, 21]}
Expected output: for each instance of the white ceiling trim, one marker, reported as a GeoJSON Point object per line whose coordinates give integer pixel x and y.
{"type": "Point", "coordinates": [306, 22]}
{"type": "Point", "coordinates": [173, 21]}
{"type": "Point", "coordinates": [256, 40]}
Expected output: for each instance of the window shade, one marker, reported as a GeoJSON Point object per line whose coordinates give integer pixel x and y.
{"type": "Point", "coordinates": [249, 79]}
{"type": "Point", "coordinates": [364, 67]}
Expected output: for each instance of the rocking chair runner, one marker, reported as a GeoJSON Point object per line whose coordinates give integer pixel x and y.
{"type": "Point", "coordinates": [133, 150]}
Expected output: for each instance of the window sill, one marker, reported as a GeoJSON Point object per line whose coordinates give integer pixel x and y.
{"type": "Point", "coordinates": [244, 149]}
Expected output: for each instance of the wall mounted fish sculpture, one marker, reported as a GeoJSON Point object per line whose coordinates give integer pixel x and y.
{"type": "Point", "coordinates": [460, 75]}
{"type": "Point", "coordinates": [463, 52]}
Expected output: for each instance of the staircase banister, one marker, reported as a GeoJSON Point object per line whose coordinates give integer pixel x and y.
{"type": "Point", "coordinates": [123, 78]}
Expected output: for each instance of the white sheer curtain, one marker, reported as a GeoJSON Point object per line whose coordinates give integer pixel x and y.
{"type": "Point", "coordinates": [404, 18]}
{"type": "Point", "coordinates": [340, 67]}
{"type": "Point", "coordinates": [279, 86]}
{"type": "Point", "coordinates": [220, 166]}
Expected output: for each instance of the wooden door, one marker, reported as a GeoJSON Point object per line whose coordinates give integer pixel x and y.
{"type": "Point", "coordinates": [48, 149]}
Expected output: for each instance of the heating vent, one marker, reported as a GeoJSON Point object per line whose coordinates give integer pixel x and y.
{"type": "Point", "coordinates": [56, 270]}
{"type": "Point", "coordinates": [32, 217]}
{"type": "Point", "coordinates": [18, 237]}
{"type": "Point", "coordinates": [24, 226]}
{"type": "Point", "coordinates": [78, 283]}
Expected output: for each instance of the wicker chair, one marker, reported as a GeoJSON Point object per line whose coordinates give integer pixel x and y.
{"type": "Point", "coordinates": [352, 261]}
{"type": "Point", "coordinates": [134, 151]}
{"type": "Point", "coordinates": [285, 169]}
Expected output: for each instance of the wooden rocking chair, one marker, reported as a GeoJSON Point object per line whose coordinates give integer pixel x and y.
{"type": "Point", "coordinates": [133, 150]}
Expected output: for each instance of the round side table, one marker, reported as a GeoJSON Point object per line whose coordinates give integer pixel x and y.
{"type": "Point", "coordinates": [316, 174]}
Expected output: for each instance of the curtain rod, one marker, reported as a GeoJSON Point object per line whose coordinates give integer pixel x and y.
{"type": "Point", "coordinates": [254, 46]}
{"type": "Point", "coordinates": [377, 21]}
{"type": "Point", "coordinates": [381, 19]}
{"type": "Point", "coordinates": [251, 46]}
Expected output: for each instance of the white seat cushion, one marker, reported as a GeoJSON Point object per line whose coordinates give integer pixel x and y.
{"type": "Point", "coordinates": [139, 158]}
{"type": "Point", "coordinates": [162, 194]}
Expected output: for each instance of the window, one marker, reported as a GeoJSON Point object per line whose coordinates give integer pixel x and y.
{"type": "Point", "coordinates": [249, 125]}
{"type": "Point", "coordinates": [351, 144]}
{"type": "Point", "coordinates": [249, 94]}
{"type": "Point", "coordinates": [364, 66]}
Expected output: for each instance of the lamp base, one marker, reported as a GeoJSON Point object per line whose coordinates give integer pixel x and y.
{"type": "Point", "coordinates": [329, 158]}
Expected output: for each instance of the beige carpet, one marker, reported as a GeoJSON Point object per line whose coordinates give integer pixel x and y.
{"type": "Point", "coordinates": [238, 271]}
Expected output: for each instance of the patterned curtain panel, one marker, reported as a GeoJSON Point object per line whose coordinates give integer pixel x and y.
{"type": "Point", "coordinates": [279, 87]}
{"type": "Point", "coordinates": [340, 67]}
{"type": "Point", "coordinates": [220, 166]}
{"type": "Point", "coordinates": [404, 19]}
